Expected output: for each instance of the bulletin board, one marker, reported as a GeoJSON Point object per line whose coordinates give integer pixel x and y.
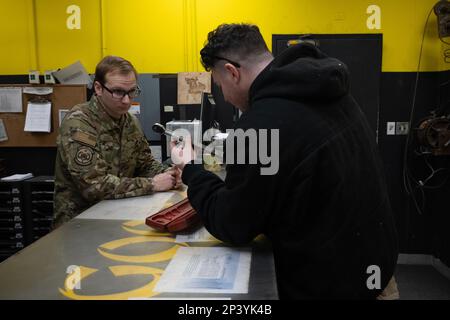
{"type": "Point", "coordinates": [63, 97]}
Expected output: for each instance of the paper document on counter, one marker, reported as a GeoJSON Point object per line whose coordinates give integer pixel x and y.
{"type": "Point", "coordinates": [136, 208]}
{"type": "Point", "coordinates": [200, 235]}
{"type": "Point", "coordinates": [207, 270]}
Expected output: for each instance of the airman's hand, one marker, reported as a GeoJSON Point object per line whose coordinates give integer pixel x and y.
{"type": "Point", "coordinates": [164, 181]}
{"type": "Point", "coordinates": [176, 173]}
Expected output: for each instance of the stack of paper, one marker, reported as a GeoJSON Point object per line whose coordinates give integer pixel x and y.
{"type": "Point", "coordinates": [18, 177]}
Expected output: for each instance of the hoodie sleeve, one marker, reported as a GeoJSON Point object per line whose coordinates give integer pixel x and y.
{"type": "Point", "coordinates": [229, 210]}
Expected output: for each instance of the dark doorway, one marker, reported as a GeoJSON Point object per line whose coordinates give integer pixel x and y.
{"type": "Point", "coordinates": [362, 53]}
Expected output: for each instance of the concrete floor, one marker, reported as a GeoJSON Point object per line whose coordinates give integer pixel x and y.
{"type": "Point", "coordinates": [421, 282]}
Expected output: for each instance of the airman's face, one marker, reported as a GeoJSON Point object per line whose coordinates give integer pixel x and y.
{"type": "Point", "coordinates": [116, 107]}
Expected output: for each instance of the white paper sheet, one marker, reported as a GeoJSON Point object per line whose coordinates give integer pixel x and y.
{"type": "Point", "coordinates": [38, 118]}
{"type": "Point", "coordinates": [137, 208]}
{"type": "Point", "coordinates": [10, 99]}
{"type": "Point", "coordinates": [3, 134]}
{"type": "Point", "coordinates": [18, 177]}
{"type": "Point", "coordinates": [207, 270]}
{"type": "Point", "coordinates": [200, 235]}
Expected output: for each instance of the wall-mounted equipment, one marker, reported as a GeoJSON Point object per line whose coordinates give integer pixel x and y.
{"type": "Point", "coordinates": [442, 11]}
{"type": "Point", "coordinates": [433, 135]}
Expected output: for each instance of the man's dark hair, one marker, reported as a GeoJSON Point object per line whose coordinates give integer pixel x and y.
{"type": "Point", "coordinates": [239, 40]}
{"type": "Point", "coordinates": [111, 64]}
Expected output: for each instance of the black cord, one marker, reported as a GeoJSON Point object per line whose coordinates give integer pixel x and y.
{"type": "Point", "coordinates": [424, 183]}
{"type": "Point", "coordinates": [406, 181]}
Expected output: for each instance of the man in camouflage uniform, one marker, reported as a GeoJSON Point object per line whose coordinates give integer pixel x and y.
{"type": "Point", "coordinates": [102, 152]}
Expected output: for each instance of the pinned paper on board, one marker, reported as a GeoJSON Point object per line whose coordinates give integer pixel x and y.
{"type": "Point", "coordinates": [62, 114]}
{"type": "Point", "coordinates": [10, 99]}
{"type": "Point", "coordinates": [39, 91]}
{"type": "Point", "coordinates": [38, 118]}
{"type": "Point", "coordinates": [3, 135]}
{"type": "Point", "coordinates": [191, 86]}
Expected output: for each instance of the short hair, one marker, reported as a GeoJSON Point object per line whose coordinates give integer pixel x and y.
{"type": "Point", "coordinates": [240, 40]}
{"type": "Point", "coordinates": [111, 64]}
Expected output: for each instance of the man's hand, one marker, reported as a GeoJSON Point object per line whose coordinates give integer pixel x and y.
{"type": "Point", "coordinates": [181, 153]}
{"type": "Point", "coordinates": [164, 181]}
{"type": "Point", "coordinates": [176, 173]}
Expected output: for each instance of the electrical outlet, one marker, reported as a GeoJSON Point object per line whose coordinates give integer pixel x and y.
{"type": "Point", "coordinates": [390, 128]}
{"type": "Point", "coordinates": [402, 128]}
{"type": "Point", "coordinates": [48, 77]}
{"type": "Point", "coordinates": [33, 77]}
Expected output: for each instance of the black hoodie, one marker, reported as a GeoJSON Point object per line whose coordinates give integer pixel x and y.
{"type": "Point", "coordinates": [326, 210]}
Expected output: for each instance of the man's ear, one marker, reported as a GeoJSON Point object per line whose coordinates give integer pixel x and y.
{"type": "Point", "coordinates": [233, 71]}
{"type": "Point", "coordinates": [98, 88]}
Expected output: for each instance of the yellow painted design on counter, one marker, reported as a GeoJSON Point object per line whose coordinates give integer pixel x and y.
{"type": "Point", "coordinates": [118, 271]}
{"type": "Point", "coordinates": [156, 257]}
{"type": "Point", "coordinates": [132, 223]}
{"type": "Point", "coordinates": [75, 278]}
{"type": "Point", "coordinates": [129, 226]}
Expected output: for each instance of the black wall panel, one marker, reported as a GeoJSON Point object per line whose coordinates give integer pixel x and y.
{"type": "Point", "coordinates": [423, 231]}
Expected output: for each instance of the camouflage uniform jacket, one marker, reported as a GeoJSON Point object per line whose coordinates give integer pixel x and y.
{"type": "Point", "coordinates": [100, 158]}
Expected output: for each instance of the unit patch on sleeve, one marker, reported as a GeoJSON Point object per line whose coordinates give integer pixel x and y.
{"type": "Point", "coordinates": [84, 156]}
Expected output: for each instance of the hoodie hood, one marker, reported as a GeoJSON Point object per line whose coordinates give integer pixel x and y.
{"type": "Point", "coordinates": [302, 73]}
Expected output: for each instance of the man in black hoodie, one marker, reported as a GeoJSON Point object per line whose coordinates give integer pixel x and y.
{"type": "Point", "coordinates": [325, 209]}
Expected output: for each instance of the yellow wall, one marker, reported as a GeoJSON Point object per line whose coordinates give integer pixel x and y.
{"type": "Point", "coordinates": [402, 23]}
{"type": "Point", "coordinates": [59, 46]}
{"type": "Point", "coordinates": [165, 36]}
{"type": "Point", "coordinates": [148, 33]}
{"type": "Point", "coordinates": [16, 47]}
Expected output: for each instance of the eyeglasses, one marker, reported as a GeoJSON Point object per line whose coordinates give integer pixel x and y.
{"type": "Point", "coordinates": [120, 94]}
{"type": "Point", "coordinates": [237, 65]}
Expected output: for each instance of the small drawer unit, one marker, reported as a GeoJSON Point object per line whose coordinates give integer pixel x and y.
{"type": "Point", "coordinates": [12, 218]}
{"type": "Point", "coordinates": [39, 193]}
